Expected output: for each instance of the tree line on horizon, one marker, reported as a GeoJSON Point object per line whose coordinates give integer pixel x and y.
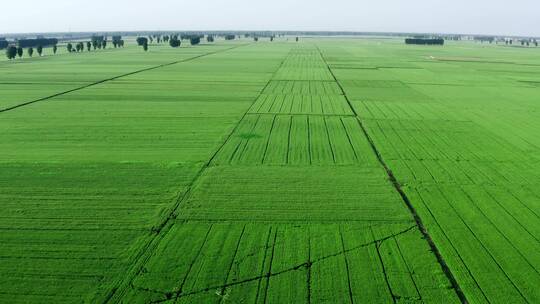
{"type": "Point", "coordinates": [100, 42]}
{"type": "Point", "coordinates": [174, 41]}
{"type": "Point", "coordinates": [17, 50]}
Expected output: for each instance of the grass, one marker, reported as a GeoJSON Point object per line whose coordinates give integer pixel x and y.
{"type": "Point", "coordinates": [263, 173]}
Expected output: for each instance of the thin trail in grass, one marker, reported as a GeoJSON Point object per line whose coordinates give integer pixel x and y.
{"type": "Point", "coordinates": [447, 271]}
{"type": "Point", "coordinates": [114, 78]}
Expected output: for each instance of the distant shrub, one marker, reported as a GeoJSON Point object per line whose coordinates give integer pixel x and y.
{"type": "Point", "coordinates": [174, 42]}
{"type": "Point", "coordinates": [141, 41]}
{"type": "Point", "coordinates": [11, 52]}
{"type": "Point", "coordinates": [195, 40]}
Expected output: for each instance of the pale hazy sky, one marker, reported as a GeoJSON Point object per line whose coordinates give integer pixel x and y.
{"type": "Point", "coordinates": [517, 17]}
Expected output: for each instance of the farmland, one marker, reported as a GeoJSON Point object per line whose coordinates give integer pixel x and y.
{"type": "Point", "coordinates": [328, 170]}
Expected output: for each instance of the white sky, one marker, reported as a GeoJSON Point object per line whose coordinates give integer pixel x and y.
{"type": "Point", "coordinates": [517, 17]}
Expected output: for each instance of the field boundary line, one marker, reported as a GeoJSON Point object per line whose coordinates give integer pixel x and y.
{"type": "Point", "coordinates": [223, 289]}
{"type": "Point", "coordinates": [114, 78]}
{"type": "Point", "coordinates": [308, 266]}
{"type": "Point", "coordinates": [170, 214]}
{"type": "Point", "coordinates": [268, 139]}
{"type": "Point", "coordinates": [419, 223]}
{"type": "Point", "coordinates": [351, 297]}
{"type": "Point", "coordinates": [383, 268]}
{"type": "Point", "coordinates": [259, 281]}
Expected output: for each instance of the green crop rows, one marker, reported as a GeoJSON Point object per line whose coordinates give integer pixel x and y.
{"type": "Point", "coordinates": [323, 171]}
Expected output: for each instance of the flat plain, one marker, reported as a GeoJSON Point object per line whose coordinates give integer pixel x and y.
{"type": "Point", "coordinates": [329, 170]}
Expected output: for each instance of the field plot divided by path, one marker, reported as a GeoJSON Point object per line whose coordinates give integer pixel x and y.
{"type": "Point", "coordinates": [31, 79]}
{"type": "Point", "coordinates": [450, 132]}
{"type": "Point", "coordinates": [87, 177]}
{"type": "Point", "coordinates": [293, 208]}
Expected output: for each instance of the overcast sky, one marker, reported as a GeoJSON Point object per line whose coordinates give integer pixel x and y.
{"type": "Point", "coordinates": [517, 17]}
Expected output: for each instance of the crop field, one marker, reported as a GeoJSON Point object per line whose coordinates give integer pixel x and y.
{"type": "Point", "coordinates": [329, 170]}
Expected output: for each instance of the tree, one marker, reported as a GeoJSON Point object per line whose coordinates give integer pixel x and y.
{"type": "Point", "coordinates": [30, 51]}
{"type": "Point", "coordinates": [19, 52]}
{"type": "Point", "coordinates": [141, 41]}
{"type": "Point", "coordinates": [11, 52]}
{"type": "Point", "coordinates": [296, 39]}
{"type": "Point", "coordinates": [121, 43]}
{"type": "Point", "coordinates": [151, 39]}
{"type": "Point", "coordinates": [195, 40]}
{"type": "Point", "coordinates": [255, 39]}
{"type": "Point", "coordinates": [69, 47]}
{"type": "Point", "coordinates": [145, 46]}
{"type": "Point", "coordinates": [88, 46]}
{"type": "Point", "coordinates": [104, 44]}
{"type": "Point", "coordinates": [174, 42]}
{"type": "Point", "coordinates": [39, 50]}
{"type": "Point", "coordinates": [116, 41]}
{"type": "Point", "coordinates": [210, 38]}
{"type": "Point", "coordinates": [97, 41]}
{"type": "Point", "coordinates": [54, 49]}
{"type": "Point", "coordinates": [271, 38]}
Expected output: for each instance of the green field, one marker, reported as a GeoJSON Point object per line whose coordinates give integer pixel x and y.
{"type": "Point", "coordinates": [332, 170]}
